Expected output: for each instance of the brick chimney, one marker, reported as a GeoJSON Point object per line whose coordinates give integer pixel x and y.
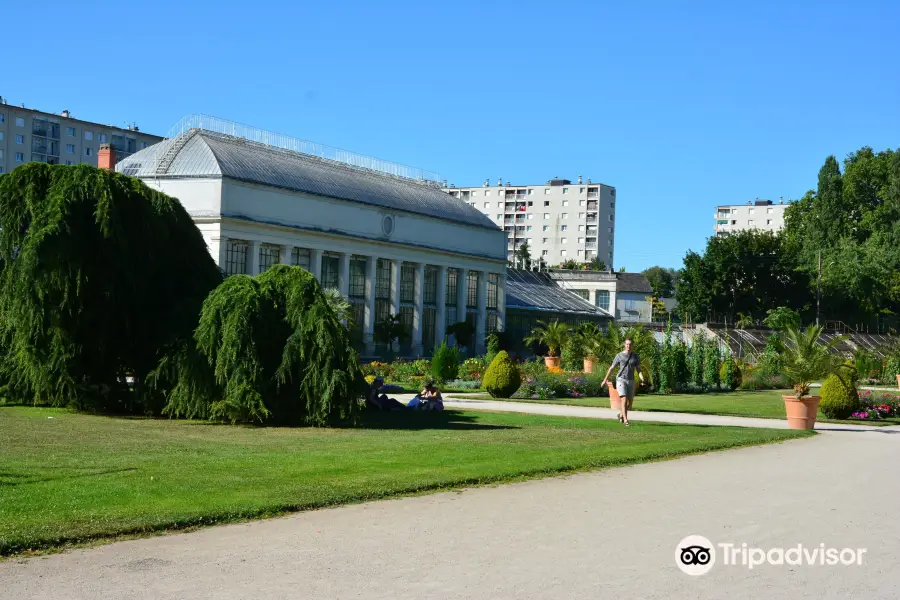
{"type": "Point", "coordinates": [106, 157]}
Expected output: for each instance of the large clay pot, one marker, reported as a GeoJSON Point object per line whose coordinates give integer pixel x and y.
{"type": "Point", "coordinates": [801, 414]}
{"type": "Point", "coordinates": [551, 361]}
{"type": "Point", "coordinates": [589, 365]}
{"type": "Point", "coordinates": [615, 400]}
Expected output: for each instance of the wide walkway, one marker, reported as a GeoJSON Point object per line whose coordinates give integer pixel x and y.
{"type": "Point", "coordinates": [605, 534]}
{"type": "Point", "coordinates": [592, 412]}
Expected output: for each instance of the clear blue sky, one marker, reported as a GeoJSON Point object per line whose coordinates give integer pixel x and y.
{"type": "Point", "coordinates": [681, 108]}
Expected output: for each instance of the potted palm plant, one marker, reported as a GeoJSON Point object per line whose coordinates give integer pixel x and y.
{"type": "Point", "coordinates": [806, 360]}
{"type": "Point", "coordinates": [553, 336]}
{"type": "Point", "coordinates": [591, 338]}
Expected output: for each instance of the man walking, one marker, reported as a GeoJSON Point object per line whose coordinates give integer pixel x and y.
{"type": "Point", "coordinates": [628, 362]}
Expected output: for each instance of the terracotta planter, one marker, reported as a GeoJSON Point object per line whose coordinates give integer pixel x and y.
{"type": "Point", "coordinates": [615, 400]}
{"type": "Point", "coordinates": [801, 414]}
{"type": "Point", "coordinates": [551, 361]}
{"type": "Point", "coordinates": [588, 365]}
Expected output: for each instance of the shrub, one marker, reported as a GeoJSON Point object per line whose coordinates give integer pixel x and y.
{"type": "Point", "coordinates": [711, 378]}
{"type": "Point", "coordinates": [445, 363]}
{"type": "Point", "coordinates": [409, 370]}
{"type": "Point", "coordinates": [696, 360]}
{"type": "Point", "coordinates": [493, 347]}
{"type": "Point", "coordinates": [839, 397]}
{"type": "Point", "coordinates": [268, 349]}
{"type": "Point", "coordinates": [380, 369]}
{"type": "Point", "coordinates": [573, 354]}
{"type": "Point", "coordinates": [502, 378]}
{"type": "Point", "coordinates": [461, 384]}
{"type": "Point", "coordinates": [730, 373]}
{"type": "Point", "coordinates": [891, 368]}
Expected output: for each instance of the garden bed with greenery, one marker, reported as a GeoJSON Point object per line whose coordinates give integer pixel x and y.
{"type": "Point", "coordinates": [67, 477]}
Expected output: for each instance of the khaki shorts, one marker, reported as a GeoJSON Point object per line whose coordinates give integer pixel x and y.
{"type": "Point", "coordinates": [625, 389]}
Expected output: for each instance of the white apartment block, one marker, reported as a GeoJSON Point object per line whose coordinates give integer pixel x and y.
{"type": "Point", "coordinates": [28, 135]}
{"type": "Point", "coordinates": [560, 220]}
{"type": "Point", "coordinates": [761, 214]}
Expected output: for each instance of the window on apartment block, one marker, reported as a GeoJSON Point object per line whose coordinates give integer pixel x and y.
{"type": "Point", "coordinates": [2, 118]}
{"type": "Point", "coordinates": [751, 210]}
{"type": "Point", "coordinates": [580, 190]}
{"type": "Point", "coordinates": [563, 240]}
{"type": "Point", "coordinates": [545, 240]}
{"type": "Point", "coordinates": [20, 139]}
{"type": "Point", "coordinates": [499, 205]}
{"type": "Point", "coordinates": [487, 192]}
{"type": "Point", "coordinates": [20, 122]}
{"type": "Point", "coordinates": [545, 252]}
{"type": "Point", "coordinates": [487, 204]}
{"type": "Point", "coordinates": [563, 227]}
{"type": "Point", "coordinates": [545, 228]}
{"type": "Point", "coordinates": [499, 216]}
{"type": "Point", "coordinates": [562, 252]}
{"type": "Point", "coordinates": [89, 135]}
{"type": "Point", "coordinates": [580, 240]}
{"type": "Point", "coordinates": [70, 131]}
{"type": "Point", "coordinates": [88, 151]}
{"type": "Point", "coordinates": [546, 203]}
{"type": "Point", "coordinates": [768, 221]}
{"type": "Point", "coordinates": [1, 136]}
{"type": "Point", "coordinates": [20, 157]}
{"type": "Point", "coordinates": [580, 255]}
{"type": "Point", "coordinates": [610, 217]}
{"type": "Point", "coordinates": [582, 203]}
{"type": "Point", "coordinates": [546, 215]}
{"type": "Point", "coordinates": [565, 215]}
{"type": "Point", "coordinates": [530, 216]}
{"type": "Point", "coordinates": [69, 163]}
{"type": "Point", "coordinates": [565, 190]}
{"type": "Point", "coordinates": [546, 191]}
{"type": "Point", "coordinates": [1, 170]}
{"type": "Point", "coordinates": [70, 148]}
{"type": "Point", "coordinates": [581, 228]}
{"type": "Point", "coordinates": [528, 228]}
{"type": "Point", "coordinates": [235, 257]}
{"type": "Point", "coordinates": [750, 222]}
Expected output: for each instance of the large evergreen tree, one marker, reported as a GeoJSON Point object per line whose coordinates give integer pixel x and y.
{"type": "Point", "coordinates": [100, 277]}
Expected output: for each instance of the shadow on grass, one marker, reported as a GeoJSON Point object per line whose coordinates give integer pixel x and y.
{"type": "Point", "coordinates": [19, 479]}
{"type": "Point", "coordinates": [419, 420]}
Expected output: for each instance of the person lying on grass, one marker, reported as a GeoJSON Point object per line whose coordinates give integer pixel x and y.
{"type": "Point", "coordinates": [628, 362]}
{"type": "Point", "coordinates": [380, 401]}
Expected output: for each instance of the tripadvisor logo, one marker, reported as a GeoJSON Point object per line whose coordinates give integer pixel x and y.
{"type": "Point", "coordinates": [696, 555]}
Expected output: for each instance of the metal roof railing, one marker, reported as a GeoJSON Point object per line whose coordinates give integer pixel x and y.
{"type": "Point", "coordinates": [292, 144]}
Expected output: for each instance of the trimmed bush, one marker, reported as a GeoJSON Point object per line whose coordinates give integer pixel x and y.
{"type": "Point", "coordinates": [839, 398]}
{"type": "Point", "coordinates": [502, 379]}
{"type": "Point", "coordinates": [445, 363]}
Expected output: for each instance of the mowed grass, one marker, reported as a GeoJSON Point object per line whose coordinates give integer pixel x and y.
{"type": "Point", "coordinates": [70, 478]}
{"type": "Point", "coordinates": [767, 404]}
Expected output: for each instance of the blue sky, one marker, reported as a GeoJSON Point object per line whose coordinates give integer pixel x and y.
{"type": "Point", "coordinates": [680, 107]}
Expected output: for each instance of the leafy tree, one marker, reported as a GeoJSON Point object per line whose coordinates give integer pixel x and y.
{"type": "Point", "coordinates": [523, 256]}
{"type": "Point", "coordinates": [662, 281]}
{"type": "Point", "coordinates": [781, 318]}
{"type": "Point", "coordinates": [595, 264]}
{"type": "Point", "coordinates": [806, 359]}
{"type": "Point", "coordinates": [697, 360]}
{"type": "Point", "coordinates": [747, 272]}
{"type": "Point", "coordinates": [340, 306]}
{"type": "Point", "coordinates": [711, 360]}
{"type": "Point", "coordinates": [570, 264]}
{"type": "Point", "coordinates": [99, 277]}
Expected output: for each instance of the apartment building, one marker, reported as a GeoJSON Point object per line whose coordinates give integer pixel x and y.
{"type": "Point", "coordinates": [560, 220]}
{"type": "Point", "coordinates": [28, 134]}
{"type": "Point", "coordinates": [760, 214]}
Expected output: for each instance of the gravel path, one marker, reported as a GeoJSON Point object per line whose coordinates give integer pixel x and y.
{"type": "Point", "coordinates": [606, 534]}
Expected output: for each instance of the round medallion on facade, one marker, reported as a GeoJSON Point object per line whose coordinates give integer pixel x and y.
{"type": "Point", "coordinates": [387, 225]}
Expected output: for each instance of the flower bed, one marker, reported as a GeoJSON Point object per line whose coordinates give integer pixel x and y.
{"type": "Point", "coordinates": [876, 406]}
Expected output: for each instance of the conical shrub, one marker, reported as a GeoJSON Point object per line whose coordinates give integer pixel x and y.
{"type": "Point", "coordinates": [502, 378]}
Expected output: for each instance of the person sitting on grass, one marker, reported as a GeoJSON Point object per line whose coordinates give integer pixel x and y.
{"type": "Point", "coordinates": [428, 399]}
{"type": "Point", "coordinates": [380, 401]}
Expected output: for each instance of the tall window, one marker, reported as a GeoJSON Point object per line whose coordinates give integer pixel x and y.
{"type": "Point", "coordinates": [300, 258]}
{"type": "Point", "coordinates": [268, 257]}
{"type": "Point", "coordinates": [491, 323]}
{"type": "Point", "coordinates": [330, 266]}
{"type": "Point", "coordinates": [382, 290]}
{"type": "Point", "coordinates": [451, 287]}
{"type": "Point", "coordinates": [492, 290]}
{"type": "Point", "coordinates": [235, 257]}
{"type": "Point", "coordinates": [472, 290]}
{"type": "Point", "coordinates": [583, 293]}
{"type": "Point", "coordinates": [357, 278]}
{"type": "Point", "coordinates": [602, 299]}
{"type": "Point", "coordinates": [407, 283]}
{"type": "Point", "coordinates": [430, 291]}
{"type": "Point", "coordinates": [428, 318]}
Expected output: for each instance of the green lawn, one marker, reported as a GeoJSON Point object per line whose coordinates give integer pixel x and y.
{"type": "Point", "coordinates": [69, 478]}
{"type": "Point", "coordinates": [766, 404]}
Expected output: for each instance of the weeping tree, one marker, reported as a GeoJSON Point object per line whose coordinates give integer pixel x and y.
{"type": "Point", "coordinates": [268, 349]}
{"type": "Point", "coordinates": [100, 276]}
